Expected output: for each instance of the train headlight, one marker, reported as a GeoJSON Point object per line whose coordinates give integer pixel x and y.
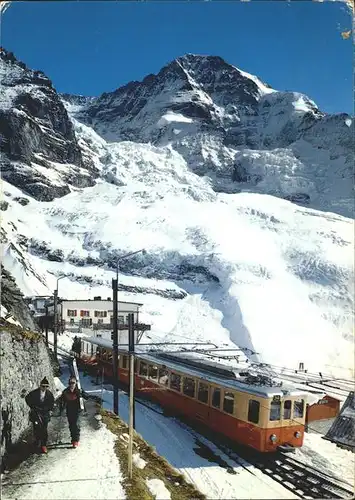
{"type": "Point", "coordinates": [273, 438]}
{"type": "Point", "coordinates": [297, 434]}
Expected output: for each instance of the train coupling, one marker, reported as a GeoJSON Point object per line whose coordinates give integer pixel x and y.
{"type": "Point", "coordinates": [286, 448]}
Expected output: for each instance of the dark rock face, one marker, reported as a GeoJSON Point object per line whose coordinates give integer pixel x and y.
{"type": "Point", "coordinates": [35, 130]}
{"type": "Point", "coordinates": [25, 360]}
{"type": "Point", "coordinates": [12, 299]}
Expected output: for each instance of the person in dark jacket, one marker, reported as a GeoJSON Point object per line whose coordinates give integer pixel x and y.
{"type": "Point", "coordinates": [41, 402]}
{"type": "Point", "coordinates": [70, 399]}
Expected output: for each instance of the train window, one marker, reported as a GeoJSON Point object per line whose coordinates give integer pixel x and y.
{"type": "Point", "coordinates": [153, 372]}
{"type": "Point", "coordinates": [202, 392]}
{"type": "Point", "coordinates": [135, 365]}
{"type": "Point", "coordinates": [124, 362]}
{"type": "Point", "coordinates": [298, 408]}
{"type": "Point", "coordinates": [275, 409]}
{"type": "Point", "coordinates": [143, 369]}
{"type": "Point", "coordinates": [216, 398]}
{"type": "Point", "coordinates": [228, 402]}
{"type": "Point", "coordinates": [175, 381]}
{"type": "Point", "coordinates": [163, 376]}
{"type": "Point", "coordinates": [189, 387]}
{"type": "Point", "coordinates": [287, 409]}
{"type": "Point", "coordinates": [254, 410]}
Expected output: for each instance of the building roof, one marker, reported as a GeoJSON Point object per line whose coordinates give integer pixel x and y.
{"type": "Point", "coordinates": [102, 300]}
{"type": "Point", "coordinates": [342, 432]}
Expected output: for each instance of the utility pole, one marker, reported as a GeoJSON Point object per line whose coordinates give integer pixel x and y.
{"type": "Point", "coordinates": [55, 323]}
{"type": "Point", "coordinates": [131, 344]}
{"type": "Point", "coordinates": [115, 345]}
{"type": "Point", "coordinates": [46, 324]}
{"type": "Point", "coordinates": [115, 329]}
{"type": "Point", "coordinates": [131, 391]}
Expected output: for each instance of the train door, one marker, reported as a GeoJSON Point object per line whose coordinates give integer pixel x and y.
{"type": "Point", "coordinates": [286, 420]}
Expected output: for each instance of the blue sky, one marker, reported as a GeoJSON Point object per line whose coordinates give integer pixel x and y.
{"type": "Point", "coordinates": [93, 47]}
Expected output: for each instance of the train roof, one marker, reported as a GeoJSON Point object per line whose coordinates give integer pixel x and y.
{"type": "Point", "coordinates": [243, 380]}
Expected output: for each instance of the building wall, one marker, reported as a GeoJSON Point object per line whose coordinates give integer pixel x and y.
{"type": "Point", "coordinates": [327, 407]}
{"type": "Point", "coordinates": [105, 307]}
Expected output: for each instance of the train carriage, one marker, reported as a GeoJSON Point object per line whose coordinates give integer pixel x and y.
{"type": "Point", "coordinates": [258, 414]}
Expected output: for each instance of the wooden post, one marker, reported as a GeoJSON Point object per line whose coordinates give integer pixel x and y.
{"type": "Point", "coordinates": [115, 347]}
{"type": "Point", "coordinates": [130, 443]}
{"type": "Point", "coordinates": [131, 392]}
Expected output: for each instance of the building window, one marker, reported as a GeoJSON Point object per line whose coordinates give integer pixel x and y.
{"type": "Point", "coordinates": [120, 320]}
{"type": "Point", "coordinates": [254, 410]}
{"type": "Point", "coordinates": [287, 409]}
{"type": "Point", "coordinates": [275, 409]}
{"type": "Point", "coordinates": [202, 392]}
{"type": "Point", "coordinates": [72, 321]}
{"type": "Point", "coordinates": [216, 398]}
{"type": "Point", "coordinates": [86, 322]}
{"type": "Point", "coordinates": [84, 313]}
{"type": "Point", "coordinates": [100, 321]}
{"type": "Point", "coordinates": [71, 312]}
{"type": "Point", "coordinates": [100, 314]}
{"type": "Point", "coordinates": [298, 409]}
{"type": "Point", "coordinates": [189, 387]}
{"type": "Point", "coordinates": [175, 381]}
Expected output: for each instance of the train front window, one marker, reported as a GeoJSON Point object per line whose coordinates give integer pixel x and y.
{"type": "Point", "coordinates": [153, 372]}
{"type": "Point", "coordinates": [228, 402]}
{"type": "Point", "coordinates": [124, 362]}
{"type": "Point", "coordinates": [253, 411]}
{"type": "Point", "coordinates": [287, 409]}
{"type": "Point", "coordinates": [189, 387]}
{"type": "Point", "coordinates": [202, 392]}
{"type": "Point", "coordinates": [275, 409]}
{"type": "Point", "coordinates": [175, 381]}
{"type": "Point", "coordinates": [298, 408]}
{"type": "Point", "coordinates": [216, 398]}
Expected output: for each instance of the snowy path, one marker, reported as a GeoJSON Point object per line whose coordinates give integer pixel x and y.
{"type": "Point", "coordinates": [90, 471]}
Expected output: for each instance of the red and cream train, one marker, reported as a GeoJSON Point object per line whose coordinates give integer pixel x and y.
{"type": "Point", "coordinates": [250, 411]}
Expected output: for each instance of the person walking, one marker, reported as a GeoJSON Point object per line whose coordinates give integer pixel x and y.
{"type": "Point", "coordinates": [41, 403]}
{"type": "Point", "coordinates": [70, 399]}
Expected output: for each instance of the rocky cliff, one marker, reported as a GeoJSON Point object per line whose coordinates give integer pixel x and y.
{"type": "Point", "coordinates": [25, 360]}
{"type": "Point", "coordinates": [40, 152]}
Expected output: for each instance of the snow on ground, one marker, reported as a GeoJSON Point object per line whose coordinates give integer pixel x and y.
{"type": "Point", "coordinates": [92, 471]}
{"type": "Point", "coordinates": [158, 489]}
{"type": "Point", "coordinates": [326, 456]}
{"type": "Point", "coordinates": [138, 461]}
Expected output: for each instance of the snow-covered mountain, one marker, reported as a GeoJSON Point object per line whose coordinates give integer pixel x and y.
{"type": "Point", "coordinates": [231, 127]}
{"type": "Point", "coordinates": [193, 165]}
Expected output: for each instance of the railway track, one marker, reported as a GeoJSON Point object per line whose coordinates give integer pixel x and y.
{"type": "Point", "coordinates": [303, 480]}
